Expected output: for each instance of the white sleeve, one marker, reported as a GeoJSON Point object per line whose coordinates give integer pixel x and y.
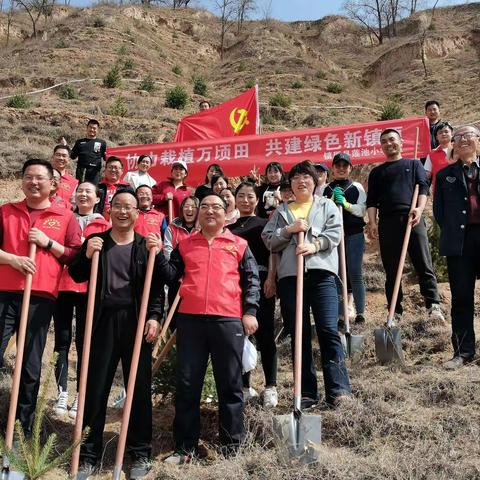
{"type": "Point", "coordinates": [358, 209]}
{"type": "Point", "coordinates": [167, 242]}
{"type": "Point", "coordinates": [428, 164]}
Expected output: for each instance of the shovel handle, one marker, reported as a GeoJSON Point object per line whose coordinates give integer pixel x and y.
{"type": "Point", "coordinates": [163, 353]}
{"type": "Point", "coordinates": [401, 262]}
{"type": "Point", "coordinates": [21, 334]}
{"type": "Point", "coordinates": [166, 324]}
{"type": "Point", "coordinates": [87, 341]}
{"type": "Point", "coordinates": [297, 363]}
{"type": "Point", "coordinates": [170, 210]}
{"type": "Point", "coordinates": [343, 276]}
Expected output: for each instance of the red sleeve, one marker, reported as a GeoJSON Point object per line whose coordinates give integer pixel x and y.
{"type": "Point", "coordinates": [158, 193]}
{"type": "Point", "coordinates": [1, 228]}
{"type": "Point", "coordinates": [73, 241]}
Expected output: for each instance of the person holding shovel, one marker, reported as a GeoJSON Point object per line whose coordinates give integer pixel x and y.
{"type": "Point", "coordinates": [57, 235]}
{"type": "Point", "coordinates": [121, 276]}
{"type": "Point", "coordinates": [320, 219]}
{"type": "Point", "coordinates": [390, 192]}
{"type": "Point", "coordinates": [220, 293]}
{"type": "Point", "coordinates": [456, 207]}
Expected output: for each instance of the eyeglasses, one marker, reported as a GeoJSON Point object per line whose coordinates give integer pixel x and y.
{"type": "Point", "coordinates": [215, 207]}
{"type": "Point", "coordinates": [464, 136]}
{"type": "Point", "coordinates": [113, 168]}
{"type": "Point", "coordinates": [126, 208]}
{"type": "Point", "coordinates": [31, 178]}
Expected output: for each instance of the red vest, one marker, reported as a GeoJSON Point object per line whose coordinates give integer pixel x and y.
{"type": "Point", "coordinates": [160, 191]}
{"type": "Point", "coordinates": [53, 221]}
{"type": "Point", "coordinates": [439, 160]}
{"type": "Point", "coordinates": [211, 281]}
{"type": "Point", "coordinates": [149, 222]}
{"type": "Point", "coordinates": [67, 284]}
{"type": "Point", "coordinates": [67, 187]}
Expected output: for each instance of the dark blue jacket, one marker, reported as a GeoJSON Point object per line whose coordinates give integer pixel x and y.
{"type": "Point", "coordinates": [450, 207]}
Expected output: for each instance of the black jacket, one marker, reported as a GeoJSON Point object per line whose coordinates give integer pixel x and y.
{"type": "Point", "coordinates": [79, 270]}
{"type": "Point", "coordinates": [450, 207]}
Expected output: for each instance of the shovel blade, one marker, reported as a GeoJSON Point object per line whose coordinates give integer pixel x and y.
{"type": "Point", "coordinates": [355, 347]}
{"type": "Point", "coordinates": [300, 436]}
{"type": "Point", "coordinates": [388, 345]}
{"type": "Point", "coordinates": [7, 474]}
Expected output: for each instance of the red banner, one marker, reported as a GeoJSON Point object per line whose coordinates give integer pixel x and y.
{"type": "Point", "coordinates": [239, 155]}
{"type": "Point", "coordinates": [238, 116]}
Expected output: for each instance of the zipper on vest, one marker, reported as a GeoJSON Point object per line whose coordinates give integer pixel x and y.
{"type": "Point", "coordinates": [208, 276]}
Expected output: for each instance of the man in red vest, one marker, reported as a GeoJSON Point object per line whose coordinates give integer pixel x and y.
{"type": "Point", "coordinates": [57, 235]}
{"type": "Point", "coordinates": [149, 219]}
{"type": "Point", "coordinates": [220, 295]}
{"type": "Point", "coordinates": [68, 183]}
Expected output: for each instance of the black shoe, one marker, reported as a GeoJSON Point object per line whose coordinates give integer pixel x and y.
{"type": "Point", "coordinates": [359, 319]}
{"type": "Point", "coordinates": [307, 403]}
{"type": "Point", "coordinates": [140, 468]}
{"type": "Point", "coordinates": [86, 471]}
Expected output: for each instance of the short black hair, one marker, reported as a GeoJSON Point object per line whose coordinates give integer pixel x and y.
{"type": "Point", "coordinates": [218, 169]}
{"type": "Point", "coordinates": [430, 103]}
{"type": "Point", "coordinates": [142, 186]}
{"type": "Point", "coordinates": [246, 183]}
{"type": "Point", "coordinates": [204, 101]}
{"type": "Point", "coordinates": [141, 157]}
{"type": "Point", "coordinates": [442, 125]}
{"type": "Point", "coordinates": [113, 159]}
{"type": "Point", "coordinates": [306, 167]}
{"type": "Point", "coordinates": [92, 121]}
{"type": "Point", "coordinates": [390, 130]}
{"type": "Point", "coordinates": [128, 190]}
{"type": "Point", "coordinates": [277, 166]}
{"type": "Point", "coordinates": [215, 178]}
{"type": "Point", "coordinates": [38, 161]}
{"type": "Point", "coordinates": [222, 201]}
{"type": "Point", "coordinates": [97, 190]}
{"type": "Point", "coordinates": [62, 147]}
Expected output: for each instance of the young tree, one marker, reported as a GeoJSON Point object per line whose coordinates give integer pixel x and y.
{"type": "Point", "coordinates": [244, 7]}
{"type": "Point", "coordinates": [226, 9]}
{"type": "Point", "coordinates": [34, 9]}
{"type": "Point", "coordinates": [370, 13]}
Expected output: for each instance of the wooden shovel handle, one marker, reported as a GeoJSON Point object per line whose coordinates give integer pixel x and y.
{"type": "Point", "coordinates": [166, 324]}
{"type": "Point", "coordinates": [170, 210]}
{"type": "Point", "coordinates": [297, 368]}
{"type": "Point", "coordinates": [164, 352]}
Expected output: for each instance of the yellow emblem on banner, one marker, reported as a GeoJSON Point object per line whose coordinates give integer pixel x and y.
{"type": "Point", "coordinates": [238, 123]}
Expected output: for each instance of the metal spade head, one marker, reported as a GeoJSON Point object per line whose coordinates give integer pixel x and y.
{"type": "Point", "coordinates": [355, 346]}
{"type": "Point", "coordinates": [388, 345]}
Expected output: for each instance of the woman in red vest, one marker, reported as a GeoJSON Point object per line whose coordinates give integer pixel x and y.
{"type": "Point", "coordinates": [74, 295]}
{"type": "Point", "coordinates": [439, 158]}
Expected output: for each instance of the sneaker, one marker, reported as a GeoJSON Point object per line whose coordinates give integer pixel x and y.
{"type": "Point", "coordinates": [456, 362]}
{"type": "Point", "coordinates": [359, 319]}
{"type": "Point", "coordinates": [119, 400]}
{"type": "Point", "coordinates": [178, 458]}
{"type": "Point", "coordinates": [249, 393]}
{"type": "Point", "coordinates": [73, 409]}
{"type": "Point", "coordinates": [61, 406]}
{"type": "Point", "coordinates": [270, 397]}
{"type": "Point", "coordinates": [86, 471]}
{"type": "Point", "coordinates": [435, 313]}
{"type": "Point", "coordinates": [307, 403]}
{"type": "Point", "coordinates": [140, 468]}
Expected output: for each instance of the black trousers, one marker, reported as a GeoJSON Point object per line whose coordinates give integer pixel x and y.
{"type": "Point", "coordinates": [265, 337]}
{"type": "Point", "coordinates": [462, 274]}
{"type": "Point", "coordinates": [113, 340]}
{"type": "Point", "coordinates": [39, 316]}
{"type": "Point", "coordinates": [62, 319]}
{"type": "Point", "coordinates": [199, 336]}
{"type": "Point", "coordinates": [391, 233]}
{"type": "Point", "coordinates": [88, 174]}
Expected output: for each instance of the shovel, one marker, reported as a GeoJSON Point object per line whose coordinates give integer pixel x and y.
{"type": "Point", "coordinates": [388, 340]}
{"type": "Point", "coordinates": [300, 434]}
{"type": "Point", "coordinates": [7, 473]}
{"type": "Point", "coordinates": [353, 343]}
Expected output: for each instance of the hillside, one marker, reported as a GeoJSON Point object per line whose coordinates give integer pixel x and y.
{"type": "Point", "coordinates": [83, 44]}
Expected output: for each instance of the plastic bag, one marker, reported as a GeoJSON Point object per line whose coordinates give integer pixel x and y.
{"type": "Point", "coordinates": [249, 356]}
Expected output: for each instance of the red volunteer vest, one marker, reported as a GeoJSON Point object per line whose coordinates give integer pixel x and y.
{"type": "Point", "coordinates": [211, 281]}
{"type": "Point", "coordinates": [53, 221]}
{"type": "Point", "coordinates": [149, 222]}
{"type": "Point", "coordinates": [67, 284]}
{"type": "Point", "coordinates": [178, 234]}
{"type": "Point", "coordinates": [67, 187]}
{"type": "Point", "coordinates": [439, 160]}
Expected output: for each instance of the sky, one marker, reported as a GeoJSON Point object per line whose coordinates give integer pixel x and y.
{"type": "Point", "coordinates": [292, 10]}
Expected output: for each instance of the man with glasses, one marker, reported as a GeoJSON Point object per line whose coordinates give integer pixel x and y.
{"type": "Point", "coordinates": [57, 235]}
{"type": "Point", "coordinates": [390, 191]}
{"type": "Point", "coordinates": [220, 294]}
{"type": "Point", "coordinates": [121, 276]}
{"type": "Point", "coordinates": [90, 152]}
{"type": "Point", "coordinates": [456, 207]}
{"type": "Point", "coordinates": [110, 184]}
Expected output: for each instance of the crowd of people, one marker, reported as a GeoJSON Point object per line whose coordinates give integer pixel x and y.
{"type": "Point", "coordinates": [229, 251]}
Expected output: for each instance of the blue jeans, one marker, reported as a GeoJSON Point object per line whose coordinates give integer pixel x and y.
{"type": "Point", "coordinates": [319, 295]}
{"type": "Point", "coordinates": [354, 248]}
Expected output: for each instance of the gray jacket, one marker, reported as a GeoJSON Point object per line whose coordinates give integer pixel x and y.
{"type": "Point", "coordinates": [325, 225]}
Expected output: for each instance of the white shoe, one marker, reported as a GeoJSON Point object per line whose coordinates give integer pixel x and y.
{"type": "Point", "coordinates": [119, 400]}
{"type": "Point", "coordinates": [249, 394]}
{"type": "Point", "coordinates": [61, 407]}
{"type": "Point", "coordinates": [270, 397]}
{"type": "Point", "coordinates": [73, 409]}
{"type": "Point", "coordinates": [435, 313]}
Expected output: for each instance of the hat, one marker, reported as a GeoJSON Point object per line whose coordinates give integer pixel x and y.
{"type": "Point", "coordinates": [181, 163]}
{"type": "Point", "coordinates": [342, 157]}
{"type": "Point", "coordinates": [321, 166]}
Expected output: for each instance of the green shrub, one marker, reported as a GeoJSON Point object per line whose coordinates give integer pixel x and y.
{"type": "Point", "coordinates": [267, 118]}
{"type": "Point", "coordinates": [129, 64]}
{"type": "Point", "coordinates": [122, 50]}
{"type": "Point", "coordinates": [297, 85]}
{"type": "Point", "coordinates": [176, 97]}
{"type": "Point", "coordinates": [280, 100]}
{"type": "Point", "coordinates": [177, 70]}
{"type": "Point", "coordinates": [250, 83]}
{"type": "Point", "coordinates": [118, 108]}
{"type": "Point", "coordinates": [321, 75]}
{"type": "Point", "coordinates": [67, 92]}
{"type": "Point", "coordinates": [242, 66]}
{"type": "Point", "coordinates": [112, 79]}
{"type": "Point", "coordinates": [147, 84]}
{"type": "Point", "coordinates": [200, 86]}
{"type": "Point", "coordinates": [391, 110]}
{"type": "Point", "coordinates": [99, 22]}
{"type": "Point", "coordinates": [335, 87]}
{"type": "Point", "coordinates": [174, 35]}
{"type": "Point", "coordinates": [18, 101]}
{"type": "Point", "coordinates": [61, 44]}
